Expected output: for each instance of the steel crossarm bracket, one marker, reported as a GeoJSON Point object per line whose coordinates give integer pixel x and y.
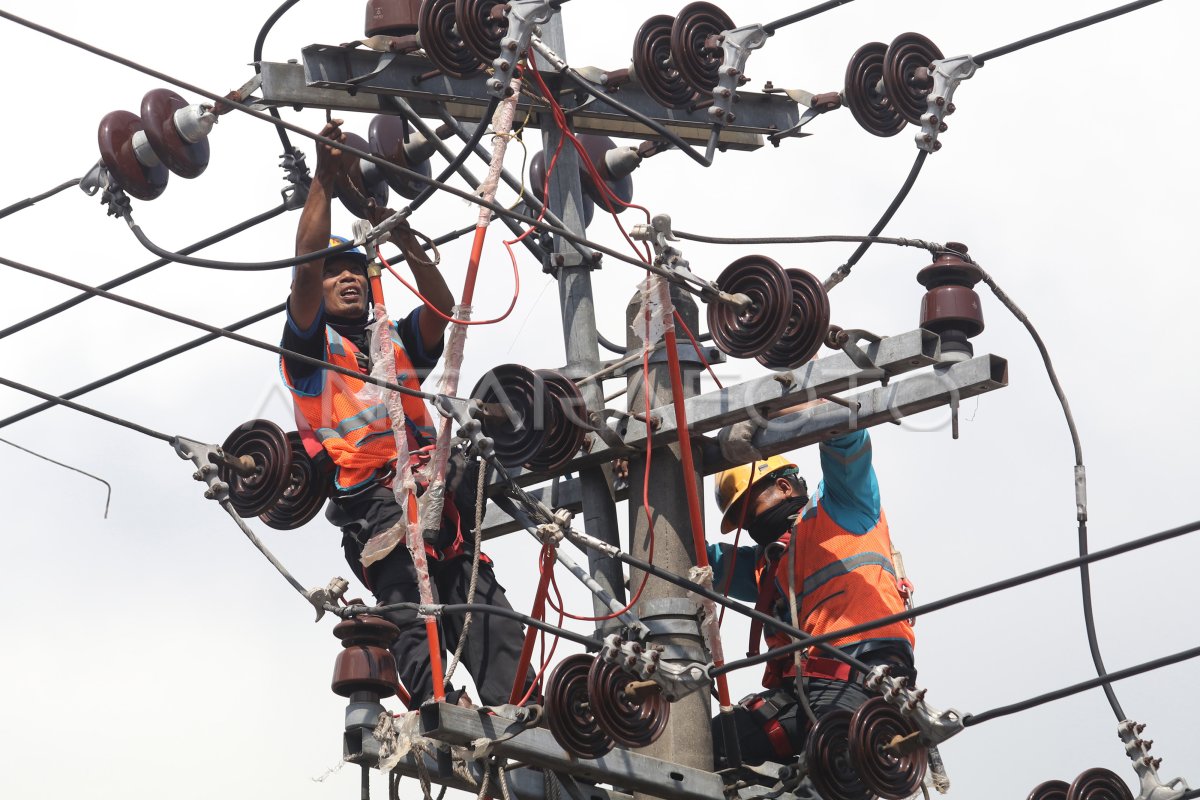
{"type": "Point", "coordinates": [901, 398]}
{"type": "Point", "coordinates": [537, 747]}
{"type": "Point", "coordinates": [325, 78]}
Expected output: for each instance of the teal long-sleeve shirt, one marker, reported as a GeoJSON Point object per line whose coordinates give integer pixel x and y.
{"type": "Point", "coordinates": [848, 493]}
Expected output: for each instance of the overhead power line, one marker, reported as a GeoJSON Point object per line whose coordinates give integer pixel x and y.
{"type": "Point", "coordinates": [1021, 44]}
{"type": "Point", "coordinates": [28, 201]}
{"type": "Point", "coordinates": [107, 485]}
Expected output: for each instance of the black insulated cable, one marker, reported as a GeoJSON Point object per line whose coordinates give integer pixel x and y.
{"type": "Point", "coordinates": [480, 608]}
{"type": "Point", "coordinates": [933, 247]}
{"type": "Point", "coordinates": [1059, 31]}
{"type": "Point", "coordinates": [259, 42]}
{"type": "Point", "coordinates": [231, 266]}
{"type": "Point", "coordinates": [799, 16]}
{"type": "Point", "coordinates": [453, 166]}
{"type": "Point", "coordinates": [972, 594]}
{"type": "Point", "coordinates": [108, 486]}
{"type": "Point", "coordinates": [42, 316]}
{"type": "Point", "coordinates": [841, 272]}
{"type": "Point", "coordinates": [1058, 694]}
{"type": "Point", "coordinates": [237, 337]}
{"type": "Point", "coordinates": [91, 412]}
{"type": "Point", "coordinates": [21, 205]}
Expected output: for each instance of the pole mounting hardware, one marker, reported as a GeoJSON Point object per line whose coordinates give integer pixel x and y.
{"type": "Point", "coordinates": [524, 17]}
{"type": "Point", "coordinates": [948, 73]}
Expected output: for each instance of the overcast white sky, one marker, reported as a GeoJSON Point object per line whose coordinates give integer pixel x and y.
{"type": "Point", "coordinates": [156, 653]}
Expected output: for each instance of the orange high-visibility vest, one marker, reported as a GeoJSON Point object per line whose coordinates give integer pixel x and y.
{"type": "Point", "coordinates": [349, 420]}
{"type": "Point", "coordinates": [842, 579]}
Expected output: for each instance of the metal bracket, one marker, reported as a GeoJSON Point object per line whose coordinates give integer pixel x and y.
{"type": "Point", "coordinates": [847, 341]}
{"type": "Point", "coordinates": [1145, 766]}
{"type": "Point", "coordinates": [736, 45]}
{"type": "Point", "coordinates": [524, 16]}
{"type": "Point", "coordinates": [96, 178]}
{"type": "Point", "coordinates": [675, 680]}
{"type": "Point", "coordinates": [947, 74]}
{"type": "Point", "coordinates": [329, 595]}
{"type": "Point", "coordinates": [205, 457]}
{"type": "Point", "coordinates": [658, 233]}
{"type": "Point", "coordinates": [935, 726]}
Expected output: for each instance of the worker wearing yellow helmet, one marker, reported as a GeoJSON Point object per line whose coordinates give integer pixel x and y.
{"type": "Point", "coordinates": [831, 557]}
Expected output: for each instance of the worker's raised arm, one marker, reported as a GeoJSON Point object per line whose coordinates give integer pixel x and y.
{"type": "Point", "coordinates": [312, 232]}
{"type": "Point", "coordinates": [430, 283]}
{"type": "Point", "coordinates": [849, 490]}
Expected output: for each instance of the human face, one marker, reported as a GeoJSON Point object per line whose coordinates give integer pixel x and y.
{"type": "Point", "coordinates": [345, 287]}
{"type": "Point", "coordinates": [767, 495]}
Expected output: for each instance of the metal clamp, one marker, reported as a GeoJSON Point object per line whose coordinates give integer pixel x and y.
{"type": "Point", "coordinates": [947, 74]}
{"type": "Point", "coordinates": [736, 45]}
{"type": "Point", "coordinates": [1145, 766]}
{"type": "Point", "coordinates": [326, 598]}
{"type": "Point", "coordinates": [658, 233]}
{"type": "Point", "coordinates": [205, 457]}
{"type": "Point", "coordinates": [935, 726]}
{"type": "Point", "coordinates": [524, 16]}
{"type": "Point", "coordinates": [676, 680]}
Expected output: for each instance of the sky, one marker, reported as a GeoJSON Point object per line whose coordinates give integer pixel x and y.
{"type": "Point", "coordinates": [156, 650]}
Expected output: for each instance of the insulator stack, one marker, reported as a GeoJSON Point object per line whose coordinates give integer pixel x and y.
{"type": "Point", "coordinates": [696, 45]}
{"type": "Point", "coordinates": [128, 156]}
{"type": "Point", "coordinates": [1099, 784]}
{"type": "Point", "coordinates": [566, 423]}
{"type": "Point", "coordinates": [482, 25]}
{"type": "Point", "coordinates": [389, 138]}
{"type": "Point", "coordinates": [392, 17]}
{"type": "Point", "coordinates": [363, 188]}
{"type": "Point", "coordinates": [442, 41]}
{"type": "Point", "coordinates": [827, 753]}
{"type": "Point", "coordinates": [808, 324]}
{"type": "Point", "coordinates": [866, 95]}
{"type": "Point", "coordinates": [951, 308]}
{"type": "Point", "coordinates": [1050, 790]}
{"type": "Point", "coordinates": [632, 716]}
{"type": "Point", "coordinates": [304, 494]}
{"type": "Point", "coordinates": [365, 664]}
{"type": "Point", "coordinates": [753, 330]}
{"type": "Point", "coordinates": [515, 412]}
{"type": "Point", "coordinates": [613, 162]}
{"type": "Point", "coordinates": [569, 712]}
{"type": "Point", "coordinates": [256, 466]}
{"type": "Point", "coordinates": [885, 751]}
{"type": "Point", "coordinates": [908, 74]}
{"type": "Point", "coordinates": [653, 67]}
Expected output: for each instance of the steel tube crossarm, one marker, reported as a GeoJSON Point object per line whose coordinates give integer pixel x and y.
{"type": "Point", "coordinates": [537, 747]}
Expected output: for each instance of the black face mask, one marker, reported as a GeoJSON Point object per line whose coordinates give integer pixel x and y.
{"type": "Point", "coordinates": [775, 521]}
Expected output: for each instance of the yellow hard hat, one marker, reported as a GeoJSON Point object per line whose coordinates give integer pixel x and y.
{"type": "Point", "coordinates": [731, 486]}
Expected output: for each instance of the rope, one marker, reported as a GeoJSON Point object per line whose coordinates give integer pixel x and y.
{"type": "Point", "coordinates": [466, 626]}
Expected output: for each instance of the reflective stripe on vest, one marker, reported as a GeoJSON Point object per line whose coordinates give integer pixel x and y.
{"type": "Point", "coordinates": [352, 424]}
{"type": "Point", "coordinates": [842, 580]}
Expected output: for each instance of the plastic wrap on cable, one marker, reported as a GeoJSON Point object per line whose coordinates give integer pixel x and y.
{"type": "Point", "coordinates": [710, 625]}
{"type": "Point", "coordinates": [398, 737]}
{"type": "Point", "coordinates": [434, 499]}
{"type": "Point", "coordinates": [647, 324]}
{"type": "Point", "coordinates": [502, 125]}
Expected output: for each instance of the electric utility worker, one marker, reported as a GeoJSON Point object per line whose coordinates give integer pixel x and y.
{"type": "Point", "coordinates": [345, 425]}
{"type": "Point", "coordinates": [831, 559]}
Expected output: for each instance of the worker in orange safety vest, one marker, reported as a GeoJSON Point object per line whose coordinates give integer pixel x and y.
{"type": "Point", "coordinates": [834, 553]}
{"type": "Point", "coordinates": [345, 425]}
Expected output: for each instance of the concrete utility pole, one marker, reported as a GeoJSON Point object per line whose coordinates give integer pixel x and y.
{"type": "Point", "coordinates": [580, 339]}
{"type": "Point", "coordinates": [663, 606]}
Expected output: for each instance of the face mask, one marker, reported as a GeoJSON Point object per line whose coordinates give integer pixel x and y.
{"type": "Point", "coordinates": [775, 521]}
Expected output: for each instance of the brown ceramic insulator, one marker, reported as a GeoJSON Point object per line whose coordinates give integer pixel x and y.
{"type": "Point", "coordinates": [865, 94]}
{"type": "Point", "coordinates": [521, 412]}
{"type": "Point", "coordinates": [1050, 790]}
{"type": "Point", "coordinates": [596, 147]}
{"type": "Point", "coordinates": [366, 664]}
{"type": "Point", "coordinates": [691, 33]}
{"type": "Point", "coordinates": [442, 43]}
{"type": "Point", "coordinates": [751, 331]}
{"type": "Point", "coordinates": [357, 189]}
{"type": "Point", "coordinates": [1099, 784]}
{"type": "Point", "coordinates": [569, 710]}
{"type": "Point", "coordinates": [907, 78]}
{"type": "Point", "coordinates": [115, 137]}
{"type": "Point", "coordinates": [808, 324]}
{"type": "Point", "coordinates": [387, 136]}
{"type": "Point", "coordinates": [185, 159]}
{"type": "Point", "coordinates": [827, 753]}
{"type": "Point", "coordinates": [654, 68]}
{"type": "Point", "coordinates": [264, 443]}
{"type": "Point", "coordinates": [537, 184]}
{"type": "Point", "coordinates": [951, 308]}
{"type": "Point", "coordinates": [392, 17]}
{"type": "Point", "coordinates": [566, 424]}
{"type": "Point", "coordinates": [482, 25]}
{"type": "Point", "coordinates": [873, 727]}
{"type": "Point", "coordinates": [305, 493]}
{"type": "Point", "coordinates": [629, 722]}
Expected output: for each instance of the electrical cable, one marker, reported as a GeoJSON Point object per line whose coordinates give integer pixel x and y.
{"type": "Point", "coordinates": [1034, 702]}
{"type": "Point", "coordinates": [452, 167]}
{"type": "Point", "coordinates": [259, 42]}
{"type": "Point", "coordinates": [843, 271]}
{"type": "Point", "coordinates": [21, 205]}
{"type": "Point", "coordinates": [973, 594]}
{"type": "Point", "coordinates": [1085, 579]}
{"type": "Point", "coordinates": [124, 423]}
{"type": "Point", "coordinates": [383, 163]}
{"type": "Point", "coordinates": [316, 362]}
{"type": "Point", "coordinates": [782, 22]}
{"type": "Point", "coordinates": [932, 247]}
{"type": "Point", "coordinates": [141, 365]}
{"type": "Point", "coordinates": [232, 266]}
{"type": "Point", "coordinates": [140, 271]}
{"type": "Point", "coordinates": [477, 608]}
{"type": "Point", "coordinates": [1059, 31]}
{"type": "Point", "coordinates": [108, 497]}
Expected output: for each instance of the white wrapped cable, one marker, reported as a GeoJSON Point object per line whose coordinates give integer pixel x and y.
{"type": "Point", "coordinates": [649, 323]}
